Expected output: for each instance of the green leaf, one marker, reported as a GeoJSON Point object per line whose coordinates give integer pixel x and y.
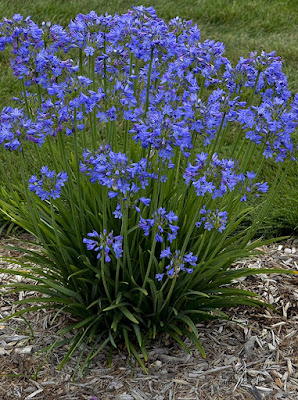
{"type": "Point", "coordinates": [195, 341]}
{"type": "Point", "coordinates": [136, 355]}
{"type": "Point", "coordinates": [175, 329]}
{"type": "Point", "coordinates": [24, 311]}
{"type": "Point", "coordinates": [77, 340]}
{"type": "Point", "coordinates": [144, 352]}
{"type": "Point", "coordinates": [174, 310]}
{"type": "Point", "coordinates": [117, 317]}
{"type": "Point", "coordinates": [139, 289]}
{"type": "Point", "coordinates": [127, 341]}
{"type": "Point", "coordinates": [112, 306]}
{"type": "Point", "coordinates": [112, 339]}
{"type": "Point", "coordinates": [138, 334]}
{"type": "Point", "coordinates": [97, 301]}
{"type": "Point", "coordinates": [101, 347]}
{"type": "Point", "coordinates": [63, 290]}
{"type": "Point", "coordinates": [81, 324]}
{"type": "Point", "coordinates": [232, 292]}
{"type": "Point", "coordinates": [56, 300]}
{"type": "Point", "coordinates": [80, 272]}
{"type": "Point", "coordinates": [128, 314]}
{"type": "Point", "coordinates": [188, 322]}
{"type": "Point", "coordinates": [196, 293]}
{"type": "Point", "coordinates": [179, 341]}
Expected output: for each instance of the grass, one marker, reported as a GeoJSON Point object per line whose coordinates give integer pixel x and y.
{"type": "Point", "coordinates": [242, 26]}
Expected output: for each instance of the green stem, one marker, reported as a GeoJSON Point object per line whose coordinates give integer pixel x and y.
{"type": "Point", "coordinates": [248, 104]}
{"type": "Point", "coordinates": [26, 99]}
{"type": "Point", "coordinates": [81, 61]}
{"type": "Point", "coordinates": [77, 173]}
{"type": "Point", "coordinates": [149, 265]}
{"type": "Point", "coordinates": [56, 231]}
{"type": "Point", "coordinates": [169, 294]}
{"type": "Point", "coordinates": [267, 204]}
{"type": "Point", "coordinates": [217, 136]}
{"type": "Point", "coordinates": [148, 83]}
{"type": "Point", "coordinates": [102, 263]}
{"type": "Point", "coordinates": [192, 225]}
{"type": "Point", "coordinates": [126, 254]}
{"type": "Point", "coordinates": [31, 205]}
{"type": "Point", "coordinates": [39, 96]}
{"type": "Point", "coordinates": [72, 190]}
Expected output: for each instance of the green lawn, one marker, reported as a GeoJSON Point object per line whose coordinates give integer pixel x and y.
{"type": "Point", "coordinates": [241, 25]}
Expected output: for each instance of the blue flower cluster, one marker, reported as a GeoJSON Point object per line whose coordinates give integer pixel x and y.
{"type": "Point", "coordinates": [113, 170]}
{"type": "Point", "coordinates": [155, 73]}
{"type": "Point", "coordinates": [212, 175]}
{"type": "Point", "coordinates": [177, 263]}
{"type": "Point", "coordinates": [104, 243]}
{"type": "Point", "coordinates": [213, 219]}
{"type": "Point", "coordinates": [49, 185]}
{"type": "Point", "coordinates": [163, 222]}
{"type": "Point", "coordinates": [272, 124]}
{"type": "Point", "coordinates": [254, 188]}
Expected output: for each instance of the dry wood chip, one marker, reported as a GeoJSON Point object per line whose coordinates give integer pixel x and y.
{"type": "Point", "coordinates": [33, 394]}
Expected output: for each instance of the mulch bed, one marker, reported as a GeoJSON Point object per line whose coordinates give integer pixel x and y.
{"type": "Point", "coordinates": [255, 359]}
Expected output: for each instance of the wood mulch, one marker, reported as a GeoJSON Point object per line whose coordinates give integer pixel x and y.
{"type": "Point", "coordinates": [256, 359]}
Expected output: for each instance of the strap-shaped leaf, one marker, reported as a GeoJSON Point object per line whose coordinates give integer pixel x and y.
{"type": "Point", "coordinates": [127, 341]}
{"type": "Point", "coordinates": [188, 322]}
{"type": "Point", "coordinates": [82, 324]}
{"type": "Point", "coordinates": [112, 306]}
{"type": "Point", "coordinates": [138, 358]}
{"type": "Point", "coordinates": [138, 334]}
{"type": "Point", "coordinates": [117, 318]}
{"type": "Point", "coordinates": [196, 293]}
{"type": "Point", "coordinates": [175, 328]}
{"type": "Point", "coordinates": [101, 347]}
{"type": "Point", "coordinates": [179, 341]}
{"type": "Point", "coordinates": [128, 314]}
{"type": "Point", "coordinates": [195, 341]}
{"type": "Point", "coordinates": [56, 300]}
{"type": "Point", "coordinates": [112, 339]}
{"type": "Point", "coordinates": [63, 290]}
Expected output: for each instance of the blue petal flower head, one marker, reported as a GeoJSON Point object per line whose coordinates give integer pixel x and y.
{"type": "Point", "coordinates": [213, 219]}
{"type": "Point", "coordinates": [177, 263]}
{"type": "Point", "coordinates": [159, 277]}
{"type": "Point", "coordinates": [253, 188]}
{"type": "Point", "coordinates": [161, 220]}
{"type": "Point", "coordinates": [49, 185]}
{"type": "Point", "coordinates": [166, 253]}
{"type": "Point", "coordinates": [118, 212]}
{"type": "Point", "coordinates": [104, 244]}
{"type": "Point", "coordinates": [89, 50]}
{"type": "Point", "coordinates": [17, 17]}
{"type": "Point", "coordinates": [215, 177]}
{"type": "Point", "coordinates": [113, 170]}
{"type": "Point", "coordinates": [145, 200]}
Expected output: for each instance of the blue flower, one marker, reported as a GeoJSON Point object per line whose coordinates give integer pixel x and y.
{"type": "Point", "coordinates": [253, 188]}
{"type": "Point", "coordinates": [177, 263]}
{"type": "Point", "coordinates": [89, 50]}
{"type": "Point", "coordinates": [49, 185]}
{"type": "Point", "coordinates": [104, 244]}
{"type": "Point", "coordinates": [162, 221]}
{"type": "Point", "coordinates": [215, 177]}
{"type": "Point", "coordinates": [213, 219]}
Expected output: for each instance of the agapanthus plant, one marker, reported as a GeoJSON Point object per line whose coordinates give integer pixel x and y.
{"type": "Point", "coordinates": [141, 225]}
